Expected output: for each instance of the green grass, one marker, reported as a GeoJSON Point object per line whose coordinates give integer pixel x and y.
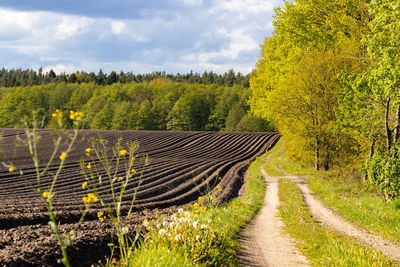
{"type": "Point", "coordinates": [272, 168]}
{"type": "Point", "coordinates": [219, 243]}
{"type": "Point", "coordinates": [357, 202]}
{"type": "Point", "coordinates": [322, 246]}
{"type": "Point", "coordinates": [360, 204]}
{"type": "Point", "coordinates": [295, 168]}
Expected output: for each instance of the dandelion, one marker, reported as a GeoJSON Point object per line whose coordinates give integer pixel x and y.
{"type": "Point", "coordinates": [182, 220]}
{"type": "Point", "coordinates": [120, 178]}
{"type": "Point", "coordinates": [195, 256]}
{"type": "Point", "coordinates": [180, 210]}
{"type": "Point", "coordinates": [84, 184]}
{"type": "Point", "coordinates": [161, 232]}
{"type": "Point", "coordinates": [122, 152]}
{"type": "Point", "coordinates": [201, 199]}
{"type": "Point", "coordinates": [63, 156]}
{"type": "Point", "coordinates": [133, 171]}
{"type": "Point", "coordinates": [46, 194]}
{"type": "Point", "coordinates": [89, 166]}
{"type": "Point", "coordinates": [187, 214]}
{"type": "Point", "coordinates": [125, 230]}
{"type": "Point", "coordinates": [11, 169]}
{"type": "Point", "coordinates": [114, 260]}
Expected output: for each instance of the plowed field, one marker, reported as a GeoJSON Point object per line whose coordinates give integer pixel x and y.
{"type": "Point", "coordinates": [184, 165]}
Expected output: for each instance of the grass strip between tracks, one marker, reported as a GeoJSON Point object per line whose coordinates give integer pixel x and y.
{"type": "Point", "coordinates": [350, 198]}
{"type": "Point", "coordinates": [224, 225]}
{"type": "Point", "coordinates": [322, 246]}
{"type": "Point", "coordinates": [353, 199]}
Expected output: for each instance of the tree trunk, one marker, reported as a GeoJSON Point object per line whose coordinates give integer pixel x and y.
{"type": "Point", "coordinates": [317, 155]}
{"type": "Point", "coordinates": [388, 131]}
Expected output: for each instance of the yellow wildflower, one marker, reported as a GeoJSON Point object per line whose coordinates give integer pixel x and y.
{"type": "Point", "coordinates": [201, 199]}
{"type": "Point", "coordinates": [100, 215]}
{"type": "Point", "coordinates": [195, 256]}
{"type": "Point", "coordinates": [11, 169]}
{"type": "Point", "coordinates": [63, 155]}
{"type": "Point", "coordinates": [72, 115]}
{"type": "Point", "coordinates": [45, 194]}
{"type": "Point", "coordinates": [133, 171]}
{"type": "Point", "coordinates": [110, 244]}
{"type": "Point", "coordinates": [148, 228]}
{"type": "Point", "coordinates": [212, 198]}
{"type": "Point", "coordinates": [88, 151]}
{"type": "Point", "coordinates": [219, 188]}
{"type": "Point", "coordinates": [120, 178]}
{"type": "Point", "coordinates": [84, 185]}
{"type": "Point", "coordinates": [91, 198]}
{"type": "Point", "coordinates": [122, 152]}
{"type": "Point", "coordinates": [78, 115]}
{"type": "Point", "coordinates": [89, 166]}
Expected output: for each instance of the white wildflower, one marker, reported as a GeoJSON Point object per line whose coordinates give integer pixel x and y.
{"type": "Point", "coordinates": [182, 220]}
{"type": "Point", "coordinates": [161, 232]}
{"type": "Point", "coordinates": [180, 210]}
{"type": "Point", "coordinates": [178, 237]}
{"type": "Point", "coordinates": [187, 214]}
{"type": "Point", "coordinates": [203, 226]}
{"type": "Point", "coordinates": [195, 223]}
{"type": "Point", "coordinates": [197, 237]}
{"type": "Point", "coordinates": [125, 230]}
{"type": "Point", "coordinates": [145, 223]}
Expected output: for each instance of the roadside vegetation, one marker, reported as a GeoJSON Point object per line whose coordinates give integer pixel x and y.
{"type": "Point", "coordinates": [203, 234]}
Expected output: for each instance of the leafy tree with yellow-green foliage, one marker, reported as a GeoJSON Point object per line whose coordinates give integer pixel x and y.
{"type": "Point", "coordinates": [370, 101]}
{"type": "Point", "coordinates": [295, 83]}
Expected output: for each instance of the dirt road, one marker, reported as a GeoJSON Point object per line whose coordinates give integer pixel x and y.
{"type": "Point", "coordinates": [334, 221]}
{"type": "Point", "coordinates": [263, 241]}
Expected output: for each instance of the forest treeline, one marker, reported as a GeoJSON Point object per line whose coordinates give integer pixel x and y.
{"type": "Point", "coordinates": [159, 104]}
{"type": "Point", "coordinates": [19, 77]}
{"type": "Point", "coordinates": [329, 79]}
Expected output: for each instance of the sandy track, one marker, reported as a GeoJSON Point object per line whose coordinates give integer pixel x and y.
{"type": "Point", "coordinates": [263, 242]}
{"type": "Point", "coordinates": [334, 221]}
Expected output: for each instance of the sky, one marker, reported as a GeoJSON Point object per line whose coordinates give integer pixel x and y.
{"type": "Point", "coordinates": [141, 36]}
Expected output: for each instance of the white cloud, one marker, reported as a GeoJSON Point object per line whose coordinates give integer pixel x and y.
{"type": "Point", "coordinates": [217, 36]}
{"type": "Point", "coordinates": [60, 68]}
{"type": "Point", "coordinates": [117, 27]}
{"type": "Point", "coordinates": [193, 2]}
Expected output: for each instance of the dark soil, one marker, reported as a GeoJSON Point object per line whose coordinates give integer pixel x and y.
{"type": "Point", "coordinates": [184, 165]}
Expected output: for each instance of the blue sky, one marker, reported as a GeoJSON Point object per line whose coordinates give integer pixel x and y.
{"type": "Point", "coordinates": [131, 35]}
